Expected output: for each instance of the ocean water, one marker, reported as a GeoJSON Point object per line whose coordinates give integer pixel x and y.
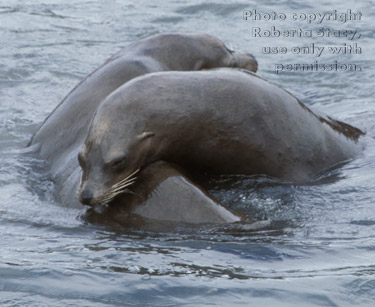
{"type": "Point", "coordinates": [314, 245]}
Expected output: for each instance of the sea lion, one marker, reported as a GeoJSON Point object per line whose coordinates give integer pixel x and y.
{"type": "Point", "coordinates": [60, 137]}
{"type": "Point", "coordinates": [220, 121]}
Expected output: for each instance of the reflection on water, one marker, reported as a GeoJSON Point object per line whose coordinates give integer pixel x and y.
{"type": "Point", "coordinates": [310, 245]}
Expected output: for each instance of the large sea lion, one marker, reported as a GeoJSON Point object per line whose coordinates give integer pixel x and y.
{"type": "Point", "coordinates": [60, 137]}
{"type": "Point", "coordinates": [221, 121]}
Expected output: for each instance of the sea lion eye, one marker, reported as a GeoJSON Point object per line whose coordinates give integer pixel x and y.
{"type": "Point", "coordinates": [118, 162]}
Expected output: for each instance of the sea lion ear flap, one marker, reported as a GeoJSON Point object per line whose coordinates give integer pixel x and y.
{"type": "Point", "coordinates": [146, 135]}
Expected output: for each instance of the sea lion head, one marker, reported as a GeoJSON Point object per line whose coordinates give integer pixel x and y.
{"type": "Point", "coordinates": [244, 60]}
{"type": "Point", "coordinates": [225, 56]}
{"type": "Point", "coordinates": [112, 155]}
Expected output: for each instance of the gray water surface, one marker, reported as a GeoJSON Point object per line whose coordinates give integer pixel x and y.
{"type": "Point", "coordinates": [314, 244]}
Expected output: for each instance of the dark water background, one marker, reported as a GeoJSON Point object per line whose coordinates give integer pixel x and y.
{"type": "Point", "coordinates": [316, 244]}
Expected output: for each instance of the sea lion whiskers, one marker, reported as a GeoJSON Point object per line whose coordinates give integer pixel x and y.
{"type": "Point", "coordinates": [110, 197]}
{"type": "Point", "coordinates": [125, 179]}
{"type": "Point", "coordinates": [124, 185]}
{"type": "Point", "coordinates": [107, 197]}
{"type": "Point", "coordinates": [118, 188]}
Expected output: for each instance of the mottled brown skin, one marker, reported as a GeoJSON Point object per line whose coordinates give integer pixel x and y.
{"type": "Point", "coordinates": [221, 121]}
{"type": "Point", "coordinates": [60, 137]}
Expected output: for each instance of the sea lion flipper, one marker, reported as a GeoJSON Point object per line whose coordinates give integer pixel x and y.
{"type": "Point", "coordinates": [163, 193]}
{"type": "Point", "coordinates": [177, 199]}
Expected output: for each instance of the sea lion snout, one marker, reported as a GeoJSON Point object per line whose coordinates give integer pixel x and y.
{"type": "Point", "coordinates": [86, 197]}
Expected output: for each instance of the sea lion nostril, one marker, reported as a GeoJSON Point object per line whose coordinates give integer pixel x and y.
{"type": "Point", "coordinates": [86, 197]}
